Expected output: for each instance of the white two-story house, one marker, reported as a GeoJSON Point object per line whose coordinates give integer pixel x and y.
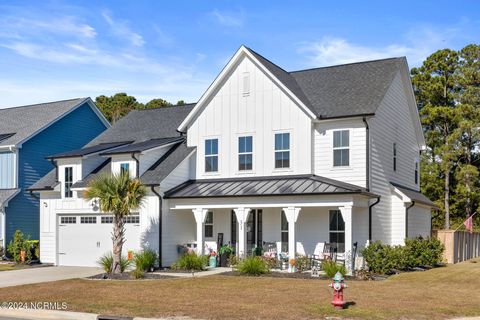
{"type": "Point", "coordinates": [297, 160]}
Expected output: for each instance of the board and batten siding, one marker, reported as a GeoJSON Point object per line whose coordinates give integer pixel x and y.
{"type": "Point", "coordinates": [355, 173]}
{"type": "Point", "coordinates": [71, 132]}
{"type": "Point", "coordinates": [261, 113]}
{"type": "Point", "coordinates": [7, 170]}
{"type": "Point", "coordinates": [393, 123]}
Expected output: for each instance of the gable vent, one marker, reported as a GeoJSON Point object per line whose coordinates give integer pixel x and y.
{"type": "Point", "coordinates": [246, 84]}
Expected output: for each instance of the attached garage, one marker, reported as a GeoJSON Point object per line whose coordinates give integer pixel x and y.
{"type": "Point", "coordinates": [83, 239]}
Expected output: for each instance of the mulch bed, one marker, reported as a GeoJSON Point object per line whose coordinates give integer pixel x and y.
{"type": "Point", "coordinates": [127, 276]}
{"type": "Point", "coordinates": [168, 270]}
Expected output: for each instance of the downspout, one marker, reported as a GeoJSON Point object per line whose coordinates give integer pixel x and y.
{"type": "Point", "coordinates": [54, 163]}
{"type": "Point", "coordinates": [367, 151]}
{"type": "Point", "coordinates": [137, 173]}
{"type": "Point", "coordinates": [4, 231]}
{"type": "Point", "coordinates": [406, 218]}
{"type": "Point", "coordinates": [370, 218]}
{"type": "Point", "coordinates": [160, 213]}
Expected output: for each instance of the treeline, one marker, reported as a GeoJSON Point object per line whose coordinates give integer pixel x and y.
{"type": "Point", "coordinates": [118, 105]}
{"type": "Point", "coordinates": [447, 89]}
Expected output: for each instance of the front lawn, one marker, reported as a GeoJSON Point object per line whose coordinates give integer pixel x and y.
{"type": "Point", "coordinates": [11, 266]}
{"type": "Point", "coordinates": [434, 294]}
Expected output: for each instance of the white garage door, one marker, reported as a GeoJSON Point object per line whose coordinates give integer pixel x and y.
{"type": "Point", "coordinates": [83, 239]}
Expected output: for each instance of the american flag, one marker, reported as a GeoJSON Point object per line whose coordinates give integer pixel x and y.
{"type": "Point", "coordinates": [469, 224]}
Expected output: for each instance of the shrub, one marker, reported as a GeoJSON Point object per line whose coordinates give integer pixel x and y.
{"type": "Point", "coordinates": [191, 262]}
{"type": "Point", "coordinates": [17, 244]}
{"type": "Point", "coordinates": [233, 260]}
{"type": "Point", "coordinates": [106, 262]}
{"type": "Point", "coordinates": [226, 249]}
{"type": "Point", "coordinates": [271, 262]}
{"type": "Point", "coordinates": [382, 258]}
{"type": "Point", "coordinates": [423, 252]}
{"type": "Point", "coordinates": [302, 263]}
{"type": "Point", "coordinates": [34, 248]}
{"type": "Point", "coordinates": [331, 268]}
{"type": "Point", "coordinates": [137, 274]}
{"type": "Point", "coordinates": [145, 260]}
{"type": "Point", "coordinates": [253, 266]}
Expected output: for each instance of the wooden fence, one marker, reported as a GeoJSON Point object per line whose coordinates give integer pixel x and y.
{"type": "Point", "coordinates": [459, 245]}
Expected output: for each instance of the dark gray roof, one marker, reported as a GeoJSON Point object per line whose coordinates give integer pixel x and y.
{"type": "Point", "coordinates": [27, 120]}
{"type": "Point", "coordinates": [104, 168]}
{"type": "Point", "coordinates": [4, 136]}
{"type": "Point", "coordinates": [143, 146]}
{"type": "Point", "coordinates": [339, 91]}
{"type": "Point", "coordinates": [166, 164]}
{"type": "Point", "coordinates": [47, 182]}
{"type": "Point", "coordinates": [6, 195]}
{"type": "Point", "coordinates": [263, 186]}
{"type": "Point", "coordinates": [89, 150]}
{"type": "Point", "coordinates": [414, 195]}
{"type": "Point", "coordinates": [147, 124]}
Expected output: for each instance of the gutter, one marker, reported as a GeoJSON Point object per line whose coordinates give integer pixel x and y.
{"type": "Point", "coordinates": [137, 174]}
{"type": "Point", "coordinates": [367, 165]}
{"type": "Point", "coordinates": [370, 218]}
{"type": "Point", "coordinates": [160, 214]}
{"type": "Point", "coordinates": [406, 218]}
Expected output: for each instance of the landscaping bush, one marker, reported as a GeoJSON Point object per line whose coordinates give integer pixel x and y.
{"type": "Point", "coordinates": [271, 262]}
{"type": "Point", "coordinates": [302, 263]}
{"type": "Point", "coordinates": [145, 260]}
{"type": "Point", "coordinates": [106, 262]}
{"type": "Point", "coordinates": [331, 268]}
{"type": "Point", "coordinates": [191, 262]}
{"type": "Point", "coordinates": [34, 248]}
{"type": "Point", "coordinates": [17, 244]}
{"type": "Point", "coordinates": [137, 274]}
{"type": "Point", "coordinates": [417, 252]}
{"type": "Point", "coordinates": [233, 260]}
{"type": "Point", "coordinates": [253, 266]}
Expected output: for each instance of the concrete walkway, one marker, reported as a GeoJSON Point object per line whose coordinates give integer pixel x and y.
{"type": "Point", "coordinates": [206, 273]}
{"type": "Point", "coordinates": [44, 274]}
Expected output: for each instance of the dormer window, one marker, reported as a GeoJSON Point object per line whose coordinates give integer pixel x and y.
{"type": "Point", "coordinates": [68, 193]}
{"type": "Point", "coordinates": [124, 168]}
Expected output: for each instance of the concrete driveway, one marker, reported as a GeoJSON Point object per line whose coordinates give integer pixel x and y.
{"type": "Point", "coordinates": [44, 274]}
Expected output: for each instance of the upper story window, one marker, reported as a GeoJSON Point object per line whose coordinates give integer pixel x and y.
{"type": "Point", "coordinates": [416, 171]}
{"type": "Point", "coordinates": [124, 168]}
{"type": "Point", "coordinates": [211, 155]}
{"type": "Point", "coordinates": [68, 193]}
{"type": "Point", "coordinates": [394, 157]}
{"type": "Point", "coordinates": [245, 153]}
{"type": "Point", "coordinates": [282, 150]}
{"type": "Point", "coordinates": [341, 148]}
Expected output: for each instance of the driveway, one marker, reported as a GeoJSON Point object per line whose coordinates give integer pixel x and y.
{"type": "Point", "coordinates": [44, 274]}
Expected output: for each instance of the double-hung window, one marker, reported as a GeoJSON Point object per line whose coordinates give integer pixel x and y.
{"type": "Point", "coordinates": [337, 230]}
{"type": "Point", "coordinates": [208, 225]}
{"type": "Point", "coordinates": [124, 168]}
{"type": "Point", "coordinates": [245, 153]}
{"type": "Point", "coordinates": [282, 150]}
{"type": "Point", "coordinates": [284, 232]}
{"type": "Point", "coordinates": [211, 155]}
{"type": "Point", "coordinates": [341, 148]}
{"type": "Point", "coordinates": [68, 193]}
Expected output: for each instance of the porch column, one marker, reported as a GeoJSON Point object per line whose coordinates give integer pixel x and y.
{"type": "Point", "coordinates": [347, 218]}
{"type": "Point", "coordinates": [242, 218]}
{"type": "Point", "coordinates": [200, 215]}
{"type": "Point", "coordinates": [291, 213]}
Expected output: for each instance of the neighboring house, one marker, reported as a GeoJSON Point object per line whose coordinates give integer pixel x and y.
{"type": "Point", "coordinates": [293, 160]}
{"type": "Point", "coordinates": [27, 135]}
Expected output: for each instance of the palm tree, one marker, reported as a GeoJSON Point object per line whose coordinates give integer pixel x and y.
{"type": "Point", "coordinates": [118, 194]}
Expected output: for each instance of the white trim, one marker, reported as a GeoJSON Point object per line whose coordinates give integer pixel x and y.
{"type": "Point", "coordinates": [261, 205]}
{"type": "Point", "coordinates": [241, 52]}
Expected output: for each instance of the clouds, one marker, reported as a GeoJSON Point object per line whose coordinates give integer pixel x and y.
{"type": "Point", "coordinates": [121, 29]}
{"type": "Point", "coordinates": [229, 19]}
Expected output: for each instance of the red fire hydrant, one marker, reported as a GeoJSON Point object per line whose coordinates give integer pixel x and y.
{"type": "Point", "coordinates": [338, 286]}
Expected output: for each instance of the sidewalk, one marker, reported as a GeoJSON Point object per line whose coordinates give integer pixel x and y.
{"type": "Point", "coordinates": [196, 274]}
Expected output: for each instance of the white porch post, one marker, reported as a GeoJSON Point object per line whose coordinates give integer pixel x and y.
{"type": "Point", "coordinates": [242, 218]}
{"type": "Point", "coordinates": [291, 213]}
{"type": "Point", "coordinates": [347, 218]}
{"type": "Point", "coordinates": [200, 215]}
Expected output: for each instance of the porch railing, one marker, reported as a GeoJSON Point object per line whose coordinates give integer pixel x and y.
{"type": "Point", "coordinates": [459, 245]}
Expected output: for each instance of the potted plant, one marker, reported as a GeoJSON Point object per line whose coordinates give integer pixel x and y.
{"type": "Point", "coordinates": [225, 252]}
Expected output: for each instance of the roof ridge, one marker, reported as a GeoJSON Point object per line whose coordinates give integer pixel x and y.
{"type": "Point", "coordinates": [168, 107]}
{"type": "Point", "coordinates": [345, 64]}
{"type": "Point", "coordinates": [266, 59]}
{"type": "Point", "coordinates": [43, 103]}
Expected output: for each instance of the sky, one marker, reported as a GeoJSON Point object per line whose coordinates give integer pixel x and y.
{"type": "Point", "coordinates": [55, 50]}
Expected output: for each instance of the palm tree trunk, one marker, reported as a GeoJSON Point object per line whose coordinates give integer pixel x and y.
{"type": "Point", "coordinates": [118, 239]}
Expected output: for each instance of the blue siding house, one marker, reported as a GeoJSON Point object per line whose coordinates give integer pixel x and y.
{"type": "Point", "coordinates": [28, 134]}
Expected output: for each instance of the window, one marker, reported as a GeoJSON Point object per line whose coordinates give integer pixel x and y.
{"type": "Point", "coordinates": [124, 168]}
{"type": "Point", "coordinates": [108, 219]}
{"type": "Point", "coordinates": [394, 157]}
{"type": "Point", "coordinates": [282, 150]}
{"type": "Point", "coordinates": [208, 225]}
{"type": "Point", "coordinates": [416, 171]}
{"type": "Point", "coordinates": [88, 219]}
{"type": "Point", "coordinates": [211, 155]}
{"type": "Point", "coordinates": [284, 232]}
{"type": "Point", "coordinates": [68, 220]}
{"type": "Point", "coordinates": [337, 230]}
{"type": "Point", "coordinates": [68, 182]}
{"type": "Point", "coordinates": [245, 153]}
{"type": "Point", "coordinates": [132, 219]}
{"type": "Point", "coordinates": [341, 150]}
{"type": "Point", "coordinates": [246, 83]}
